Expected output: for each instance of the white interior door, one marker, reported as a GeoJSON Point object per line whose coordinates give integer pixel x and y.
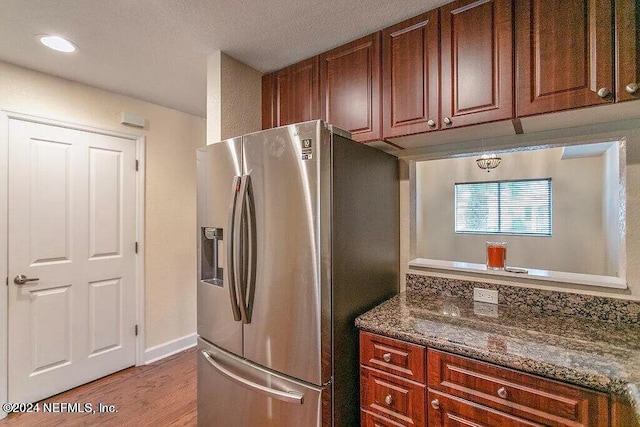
{"type": "Point", "coordinates": [72, 228]}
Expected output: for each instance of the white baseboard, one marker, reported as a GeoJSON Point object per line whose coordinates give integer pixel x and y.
{"type": "Point", "coordinates": [169, 348]}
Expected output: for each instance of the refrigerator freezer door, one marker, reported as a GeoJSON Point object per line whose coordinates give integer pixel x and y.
{"type": "Point", "coordinates": [234, 393]}
{"type": "Point", "coordinates": [217, 165]}
{"type": "Point", "coordinates": [285, 330]}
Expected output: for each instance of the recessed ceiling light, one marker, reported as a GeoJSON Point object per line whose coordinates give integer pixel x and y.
{"type": "Point", "coordinates": [57, 43]}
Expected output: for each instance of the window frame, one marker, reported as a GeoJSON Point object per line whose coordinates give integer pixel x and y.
{"type": "Point", "coordinates": [500, 233]}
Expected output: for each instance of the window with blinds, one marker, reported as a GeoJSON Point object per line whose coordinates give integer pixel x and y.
{"type": "Point", "coordinates": [520, 207]}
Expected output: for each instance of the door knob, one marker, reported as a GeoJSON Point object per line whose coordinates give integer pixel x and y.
{"type": "Point", "coordinates": [502, 392]}
{"type": "Point", "coordinates": [604, 92]}
{"type": "Point", "coordinates": [21, 279]}
{"type": "Point", "coordinates": [632, 88]}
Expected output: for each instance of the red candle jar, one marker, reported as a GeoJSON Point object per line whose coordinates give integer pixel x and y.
{"type": "Point", "coordinates": [496, 255]}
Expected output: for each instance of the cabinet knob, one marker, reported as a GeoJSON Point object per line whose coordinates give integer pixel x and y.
{"type": "Point", "coordinates": [502, 392]}
{"type": "Point", "coordinates": [604, 92]}
{"type": "Point", "coordinates": [388, 400]}
{"type": "Point", "coordinates": [447, 121]}
{"type": "Point", "coordinates": [435, 404]}
{"type": "Point", "coordinates": [431, 123]}
{"type": "Point", "coordinates": [632, 88]}
{"type": "Point", "coordinates": [386, 357]}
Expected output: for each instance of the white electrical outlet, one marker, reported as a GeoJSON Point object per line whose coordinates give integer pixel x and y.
{"type": "Point", "coordinates": [485, 295]}
{"type": "Point", "coordinates": [485, 309]}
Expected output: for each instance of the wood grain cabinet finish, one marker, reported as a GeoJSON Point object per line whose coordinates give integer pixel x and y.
{"type": "Point", "coordinates": [410, 70]}
{"type": "Point", "coordinates": [622, 414]}
{"type": "Point", "coordinates": [627, 30]}
{"type": "Point", "coordinates": [394, 356]}
{"type": "Point", "coordinates": [564, 54]}
{"type": "Point", "coordinates": [392, 397]}
{"type": "Point", "coordinates": [476, 62]}
{"type": "Point", "coordinates": [350, 88]}
{"type": "Point", "coordinates": [445, 410]}
{"type": "Point", "coordinates": [515, 393]}
{"type": "Point", "coordinates": [297, 93]}
{"type": "Point", "coordinates": [370, 420]}
{"type": "Point", "coordinates": [268, 110]}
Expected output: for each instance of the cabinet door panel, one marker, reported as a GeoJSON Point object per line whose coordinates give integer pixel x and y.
{"type": "Point", "coordinates": [563, 54]}
{"type": "Point", "coordinates": [527, 396]}
{"type": "Point", "coordinates": [297, 93]}
{"type": "Point", "coordinates": [392, 397]}
{"type": "Point", "coordinates": [447, 411]}
{"type": "Point", "coordinates": [477, 62]}
{"type": "Point", "coordinates": [350, 87]}
{"type": "Point", "coordinates": [410, 76]}
{"type": "Point", "coordinates": [627, 49]}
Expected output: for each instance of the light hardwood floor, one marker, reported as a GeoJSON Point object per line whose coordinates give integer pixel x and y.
{"type": "Point", "coordinates": [160, 394]}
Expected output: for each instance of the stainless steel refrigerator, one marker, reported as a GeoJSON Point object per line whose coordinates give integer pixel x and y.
{"type": "Point", "coordinates": [298, 235]}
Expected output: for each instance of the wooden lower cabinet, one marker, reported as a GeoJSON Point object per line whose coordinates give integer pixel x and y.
{"type": "Point", "coordinates": [530, 397]}
{"type": "Point", "coordinates": [446, 410]}
{"type": "Point", "coordinates": [392, 397]}
{"type": "Point", "coordinates": [459, 391]}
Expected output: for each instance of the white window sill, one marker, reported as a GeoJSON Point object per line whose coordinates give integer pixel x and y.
{"type": "Point", "coordinates": [531, 274]}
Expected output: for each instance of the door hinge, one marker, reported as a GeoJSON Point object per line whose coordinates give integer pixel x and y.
{"type": "Point", "coordinates": [136, 330]}
{"type": "Point", "coordinates": [137, 165]}
{"type": "Point", "coordinates": [136, 247]}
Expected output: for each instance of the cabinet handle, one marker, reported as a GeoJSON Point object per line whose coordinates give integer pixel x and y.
{"type": "Point", "coordinates": [388, 400]}
{"type": "Point", "coordinates": [604, 92]}
{"type": "Point", "coordinates": [432, 123]}
{"type": "Point", "coordinates": [386, 357]}
{"type": "Point", "coordinates": [502, 392]}
{"type": "Point", "coordinates": [632, 88]}
{"type": "Point", "coordinates": [447, 121]}
{"type": "Point", "coordinates": [435, 404]}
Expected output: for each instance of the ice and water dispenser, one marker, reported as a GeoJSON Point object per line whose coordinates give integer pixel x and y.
{"type": "Point", "coordinates": [211, 255]}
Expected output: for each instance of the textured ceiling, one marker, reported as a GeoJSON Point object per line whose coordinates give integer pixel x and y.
{"type": "Point", "coordinates": [156, 50]}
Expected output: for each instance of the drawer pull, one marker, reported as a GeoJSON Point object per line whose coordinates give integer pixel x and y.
{"type": "Point", "coordinates": [388, 400]}
{"type": "Point", "coordinates": [502, 392]}
{"type": "Point", "coordinates": [435, 404]}
{"type": "Point", "coordinates": [386, 357]}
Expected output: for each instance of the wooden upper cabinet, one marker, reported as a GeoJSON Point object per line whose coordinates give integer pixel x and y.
{"type": "Point", "coordinates": [410, 68]}
{"type": "Point", "coordinates": [476, 62]}
{"type": "Point", "coordinates": [297, 93]}
{"type": "Point", "coordinates": [564, 54]}
{"type": "Point", "coordinates": [268, 110]}
{"type": "Point", "coordinates": [627, 49]}
{"type": "Point", "coordinates": [350, 88]}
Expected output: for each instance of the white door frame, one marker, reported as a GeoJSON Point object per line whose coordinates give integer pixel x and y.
{"type": "Point", "coordinates": [139, 140]}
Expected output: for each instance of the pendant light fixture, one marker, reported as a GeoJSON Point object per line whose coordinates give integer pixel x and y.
{"type": "Point", "coordinates": [487, 161]}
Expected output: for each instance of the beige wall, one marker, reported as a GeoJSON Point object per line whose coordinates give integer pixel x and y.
{"type": "Point", "coordinates": [577, 244]}
{"type": "Point", "coordinates": [234, 92]}
{"type": "Point", "coordinates": [170, 199]}
{"type": "Point", "coordinates": [627, 131]}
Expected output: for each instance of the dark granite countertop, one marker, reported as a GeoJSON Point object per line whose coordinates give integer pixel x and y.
{"type": "Point", "coordinates": [588, 352]}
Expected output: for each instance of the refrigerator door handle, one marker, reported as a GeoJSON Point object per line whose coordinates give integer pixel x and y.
{"type": "Point", "coordinates": [232, 243]}
{"type": "Point", "coordinates": [285, 396]}
{"type": "Point", "coordinates": [249, 249]}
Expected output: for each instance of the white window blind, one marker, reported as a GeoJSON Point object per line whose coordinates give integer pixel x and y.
{"type": "Point", "coordinates": [504, 207]}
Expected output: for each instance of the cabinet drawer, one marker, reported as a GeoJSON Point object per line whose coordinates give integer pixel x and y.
{"type": "Point", "coordinates": [394, 356]}
{"type": "Point", "coordinates": [527, 396]}
{"type": "Point", "coordinates": [446, 410]}
{"type": "Point", "coordinates": [370, 420]}
{"type": "Point", "coordinates": [392, 397]}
